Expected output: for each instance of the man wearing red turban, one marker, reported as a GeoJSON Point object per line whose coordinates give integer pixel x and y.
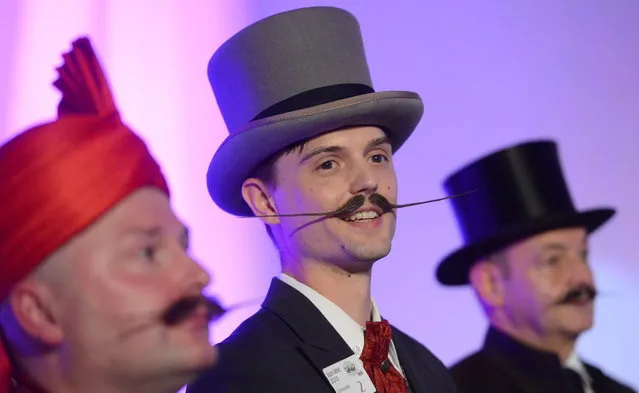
{"type": "Point", "coordinates": [92, 256]}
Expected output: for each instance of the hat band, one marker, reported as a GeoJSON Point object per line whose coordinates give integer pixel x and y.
{"type": "Point", "coordinates": [314, 97]}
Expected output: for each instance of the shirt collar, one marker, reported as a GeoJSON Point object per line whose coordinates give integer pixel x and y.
{"type": "Point", "coordinates": [574, 363]}
{"type": "Point", "coordinates": [350, 331]}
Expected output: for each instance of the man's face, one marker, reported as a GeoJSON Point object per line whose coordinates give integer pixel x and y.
{"type": "Point", "coordinates": [323, 176]}
{"type": "Point", "coordinates": [126, 270]}
{"type": "Point", "coordinates": [543, 269]}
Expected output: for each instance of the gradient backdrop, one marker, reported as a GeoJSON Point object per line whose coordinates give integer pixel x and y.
{"type": "Point", "coordinates": [491, 73]}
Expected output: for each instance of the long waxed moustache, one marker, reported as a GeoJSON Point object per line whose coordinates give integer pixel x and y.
{"type": "Point", "coordinates": [358, 201]}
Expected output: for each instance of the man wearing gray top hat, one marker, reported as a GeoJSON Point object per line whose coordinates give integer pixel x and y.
{"type": "Point", "coordinates": [309, 134]}
{"type": "Point", "coordinates": [526, 257]}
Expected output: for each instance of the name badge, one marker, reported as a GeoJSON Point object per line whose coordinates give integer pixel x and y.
{"type": "Point", "coordinates": [348, 376]}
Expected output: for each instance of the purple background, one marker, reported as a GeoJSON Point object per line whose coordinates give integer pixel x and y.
{"type": "Point", "coordinates": [490, 73]}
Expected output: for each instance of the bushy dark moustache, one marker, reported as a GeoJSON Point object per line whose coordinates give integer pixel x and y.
{"type": "Point", "coordinates": [184, 307]}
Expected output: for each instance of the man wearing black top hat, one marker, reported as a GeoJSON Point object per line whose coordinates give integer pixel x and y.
{"type": "Point", "coordinates": [309, 134]}
{"type": "Point", "coordinates": [526, 257]}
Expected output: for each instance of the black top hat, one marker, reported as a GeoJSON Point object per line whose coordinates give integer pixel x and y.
{"type": "Point", "coordinates": [521, 192]}
{"type": "Point", "coordinates": [291, 77]}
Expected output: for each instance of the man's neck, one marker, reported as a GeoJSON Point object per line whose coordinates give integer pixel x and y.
{"type": "Point", "coordinates": [558, 344]}
{"type": "Point", "coordinates": [349, 291]}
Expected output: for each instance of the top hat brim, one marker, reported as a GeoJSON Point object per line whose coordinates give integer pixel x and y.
{"type": "Point", "coordinates": [455, 268]}
{"type": "Point", "coordinates": [396, 112]}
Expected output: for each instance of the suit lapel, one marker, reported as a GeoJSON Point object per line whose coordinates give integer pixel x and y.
{"type": "Point", "coordinates": [319, 342]}
{"type": "Point", "coordinates": [414, 377]}
{"type": "Point", "coordinates": [601, 382]}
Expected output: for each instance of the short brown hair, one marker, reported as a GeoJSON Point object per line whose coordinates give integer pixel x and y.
{"type": "Point", "coordinates": [267, 172]}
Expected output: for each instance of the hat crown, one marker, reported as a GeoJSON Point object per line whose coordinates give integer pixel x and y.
{"type": "Point", "coordinates": [289, 61]}
{"type": "Point", "coordinates": [515, 185]}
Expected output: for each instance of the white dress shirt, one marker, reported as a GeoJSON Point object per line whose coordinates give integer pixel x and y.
{"type": "Point", "coordinates": [350, 331]}
{"type": "Point", "coordinates": [575, 364]}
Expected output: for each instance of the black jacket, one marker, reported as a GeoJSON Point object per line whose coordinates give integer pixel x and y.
{"type": "Point", "coordinates": [504, 365]}
{"type": "Point", "coordinates": [284, 347]}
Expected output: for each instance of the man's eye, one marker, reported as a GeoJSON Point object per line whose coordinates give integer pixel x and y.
{"type": "Point", "coordinates": [326, 165]}
{"type": "Point", "coordinates": [148, 253]}
{"type": "Point", "coordinates": [553, 260]}
{"type": "Point", "coordinates": [379, 158]}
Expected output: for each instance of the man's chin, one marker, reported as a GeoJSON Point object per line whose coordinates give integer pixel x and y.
{"type": "Point", "coordinates": [206, 357]}
{"type": "Point", "coordinates": [193, 362]}
{"type": "Point", "coordinates": [175, 369]}
{"type": "Point", "coordinates": [368, 253]}
{"type": "Point", "coordinates": [574, 329]}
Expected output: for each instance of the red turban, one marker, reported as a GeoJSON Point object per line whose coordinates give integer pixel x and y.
{"type": "Point", "coordinates": [60, 177]}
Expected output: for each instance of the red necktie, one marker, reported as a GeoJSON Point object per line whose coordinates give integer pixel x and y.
{"type": "Point", "coordinates": [385, 377]}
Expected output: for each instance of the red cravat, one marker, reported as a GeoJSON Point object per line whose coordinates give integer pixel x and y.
{"type": "Point", "coordinates": [385, 377]}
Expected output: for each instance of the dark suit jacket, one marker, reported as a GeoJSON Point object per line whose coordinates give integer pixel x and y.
{"type": "Point", "coordinates": [504, 365]}
{"type": "Point", "coordinates": [284, 347]}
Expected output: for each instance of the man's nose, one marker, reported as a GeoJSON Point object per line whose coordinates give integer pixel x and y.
{"type": "Point", "coordinates": [580, 271]}
{"type": "Point", "coordinates": [194, 273]}
{"type": "Point", "coordinates": [202, 277]}
{"type": "Point", "coordinates": [364, 181]}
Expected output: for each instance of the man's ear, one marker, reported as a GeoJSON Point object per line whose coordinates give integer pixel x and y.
{"type": "Point", "coordinates": [257, 195]}
{"type": "Point", "coordinates": [32, 305]}
{"type": "Point", "coordinates": [488, 281]}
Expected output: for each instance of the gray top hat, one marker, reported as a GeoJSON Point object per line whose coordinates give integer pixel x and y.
{"type": "Point", "coordinates": [290, 77]}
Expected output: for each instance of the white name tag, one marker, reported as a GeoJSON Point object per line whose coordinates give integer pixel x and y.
{"type": "Point", "coordinates": [349, 376]}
